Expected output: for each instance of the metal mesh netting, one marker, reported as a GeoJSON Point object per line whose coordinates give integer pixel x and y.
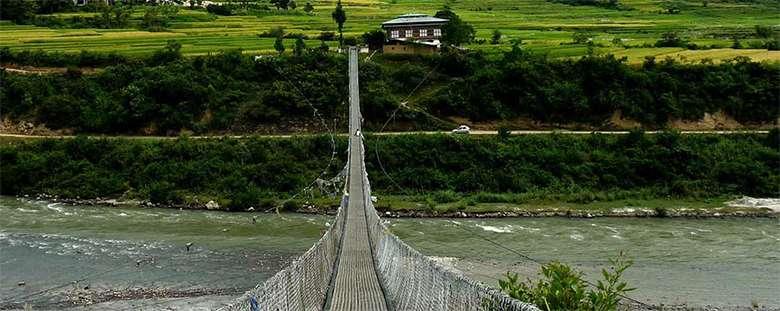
{"type": "Point", "coordinates": [303, 285]}
{"type": "Point", "coordinates": [412, 281]}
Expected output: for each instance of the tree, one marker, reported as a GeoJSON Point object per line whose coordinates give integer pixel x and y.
{"type": "Point", "coordinates": [19, 11]}
{"type": "Point", "coordinates": [670, 39]}
{"type": "Point", "coordinates": [279, 45]}
{"type": "Point", "coordinates": [158, 18]}
{"type": "Point", "coordinates": [299, 48]}
{"type": "Point", "coordinates": [736, 44]}
{"type": "Point", "coordinates": [456, 31]}
{"type": "Point", "coordinates": [171, 52]}
{"type": "Point", "coordinates": [324, 46]}
{"type": "Point", "coordinates": [496, 39]}
{"type": "Point", "coordinates": [308, 8]}
{"type": "Point", "coordinates": [281, 4]}
{"type": "Point", "coordinates": [764, 31]}
{"type": "Point", "coordinates": [581, 37]}
{"type": "Point", "coordinates": [672, 7]}
{"type": "Point", "coordinates": [339, 16]}
{"type": "Point", "coordinates": [375, 39]}
{"type": "Point", "coordinates": [54, 6]}
{"type": "Point", "coordinates": [292, 5]}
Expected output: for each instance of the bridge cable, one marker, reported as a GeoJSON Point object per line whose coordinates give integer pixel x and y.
{"type": "Point", "coordinates": [402, 104]}
{"type": "Point", "coordinates": [384, 171]}
{"type": "Point", "coordinates": [331, 132]}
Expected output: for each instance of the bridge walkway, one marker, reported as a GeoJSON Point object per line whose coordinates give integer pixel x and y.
{"type": "Point", "coordinates": [357, 285]}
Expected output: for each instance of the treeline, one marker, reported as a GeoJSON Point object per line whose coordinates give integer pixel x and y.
{"type": "Point", "coordinates": [157, 15]}
{"type": "Point", "coordinates": [231, 92]}
{"type": "Point", "coordinates": [591, 88]}
{"type": "Point", "coordinates": [240, 173]}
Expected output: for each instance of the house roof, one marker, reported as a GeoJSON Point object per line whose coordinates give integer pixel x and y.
{"type": "Point", "coordinates": [414, 19]}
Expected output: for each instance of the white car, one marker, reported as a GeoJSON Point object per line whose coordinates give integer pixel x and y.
{"type": "Point", "coordinates": [463, 129]}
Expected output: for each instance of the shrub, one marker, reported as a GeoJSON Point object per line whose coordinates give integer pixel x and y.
{"type": "Point", "coordinates": [564, 288]}
{"type": "Point", "coordinates": [219, 9]}
{"type": "Point", "coordinates": [671, 39]}
{"type": "Point", "coordinates": [765, 32]}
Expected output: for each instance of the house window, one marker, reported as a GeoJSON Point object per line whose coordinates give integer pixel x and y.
{"type": "Point", "coordinates": [394, 34]}
{"type": "Point", "coordinates": [408, 34]}
{"type": "Point", "coordinates": [437, 32]}
{"type": "Point", "coordinates": [423, 32]}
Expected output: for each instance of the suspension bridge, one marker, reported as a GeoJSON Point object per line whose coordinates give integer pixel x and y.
{"type": "Point", "coordinates": [358, 264]}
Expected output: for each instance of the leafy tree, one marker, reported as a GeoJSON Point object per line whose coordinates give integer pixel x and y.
{"type": "Point", "coordinates": [279, 45]}
{"type": "Point", "coordinates": [19, 11]}
{"type": "Point", "coordinates": [375, 39]}
{"type": "Point", "coordinates": [218, 9]}
{"type": "Point", "coordinates": [171, 53]}
{"type": "Point", "coordinates": [456, 31]}
{"type": "Point", "coordinates": [292, 5]}
{"type": "Point", "coordinates": [281, 4]}
{"type": "Point", "coordinates": [339, 16]}
{"type": "Point", "coordinates": [54, 6]}
{"type": "Point", "coordinates": [670, 39]}
{"type": "Point", "coordinates": [326, 36]}
{"type": "Point", "coordinates": [736, 44]}
{"type": "Point", "coordinates": [581, 37]}
{"type": "Point", "coordinates": [672, 6]}
{"type": "Point", "coordinates": [496, 38]}
{"type": "Point", "coordinates": [308, 8]}
{"type": "Point", "coordinates": [324, 46]}
{"type": "Point", "coordinates": [114, 16]}
{"type": "Point", "coordinates": [194, 3]}
{"type": "Point", "coordinates": [300, 47]}
{"type": "Point", "coordinates": [765, 31]}
{"type": "Point", "coordinates": [158, 18]}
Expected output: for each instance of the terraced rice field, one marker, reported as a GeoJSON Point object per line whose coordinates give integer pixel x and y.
{"type": "Point", "coordinates": [543, 27]}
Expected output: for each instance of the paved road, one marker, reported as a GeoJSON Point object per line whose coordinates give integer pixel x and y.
{"type": "Point", "coordinates": [357, 284]}
{"type": "Point", "coordinates": [478, 132]}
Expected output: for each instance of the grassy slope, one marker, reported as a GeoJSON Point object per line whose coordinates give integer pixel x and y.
{"type": "Point", "coordinates": [544, 27]}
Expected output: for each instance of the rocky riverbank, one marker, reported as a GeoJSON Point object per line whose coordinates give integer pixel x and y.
{"type": "Point", "coordinates": [741, 207]}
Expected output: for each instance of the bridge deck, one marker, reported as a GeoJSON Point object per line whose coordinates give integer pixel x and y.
{"type": "Point", "coordinates": [357, 284]}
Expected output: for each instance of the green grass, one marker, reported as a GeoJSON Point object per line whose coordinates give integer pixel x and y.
{"type": "Point", "coordinates": [544, 27]}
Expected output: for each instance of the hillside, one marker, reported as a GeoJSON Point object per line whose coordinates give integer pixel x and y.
{"type": "Point", "coordinates": [631, 28]}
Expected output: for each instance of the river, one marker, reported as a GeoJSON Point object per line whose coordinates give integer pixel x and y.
{"type": "Point", "coordinates": [45, 247]}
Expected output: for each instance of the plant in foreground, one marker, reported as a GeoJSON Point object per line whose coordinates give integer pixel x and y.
{"type": "Point", "coordinates": [563, 288]}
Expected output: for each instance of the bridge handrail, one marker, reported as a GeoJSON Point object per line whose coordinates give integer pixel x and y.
{"type": "Point", "coordinates": [413, 281]}
{"type": "Point", "coordinates": [302, 285]}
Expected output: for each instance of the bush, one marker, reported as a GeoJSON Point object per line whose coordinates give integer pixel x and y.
{"type": "Point", "coordinates": [244, 171]}
{"type": "Point", "coordinates": [231, 92]}
{"type": "Point", "coordinates": [671, 39]}
{"type": "Point", "coordinates": [219, 9]}
{"type": "Point", "coordinates": [765, 32]}
{"type": "Point", "coordinates": [563, 288]}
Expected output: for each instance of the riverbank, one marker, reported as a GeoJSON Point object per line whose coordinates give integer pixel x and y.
{"type": "Point", "coordinates": [406, 207]}
{"type": "Point", "coordinates": [431, 173]}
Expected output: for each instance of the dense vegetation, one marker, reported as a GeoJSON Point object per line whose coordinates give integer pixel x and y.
{"type": "Point", "coordinates": [561, 287]}
{"type": "Point", "coordinates": [165, 93]}
{"type": "Point", "coordinates": [241, 173]}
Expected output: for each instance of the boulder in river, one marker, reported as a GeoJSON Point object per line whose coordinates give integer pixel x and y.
{"type": "Point", "coordinates": [212, 205]}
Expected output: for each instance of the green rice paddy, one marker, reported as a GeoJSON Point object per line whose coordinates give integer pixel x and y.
{"type": "Point", "coordinates": [543, 27]}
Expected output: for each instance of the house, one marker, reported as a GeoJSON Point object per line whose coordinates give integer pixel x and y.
{"type": "Point", "coordinates": [413, 34]}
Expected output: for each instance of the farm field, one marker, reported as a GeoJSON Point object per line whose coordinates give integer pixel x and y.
{"type": "Point", "coordinates": [544, 27]}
